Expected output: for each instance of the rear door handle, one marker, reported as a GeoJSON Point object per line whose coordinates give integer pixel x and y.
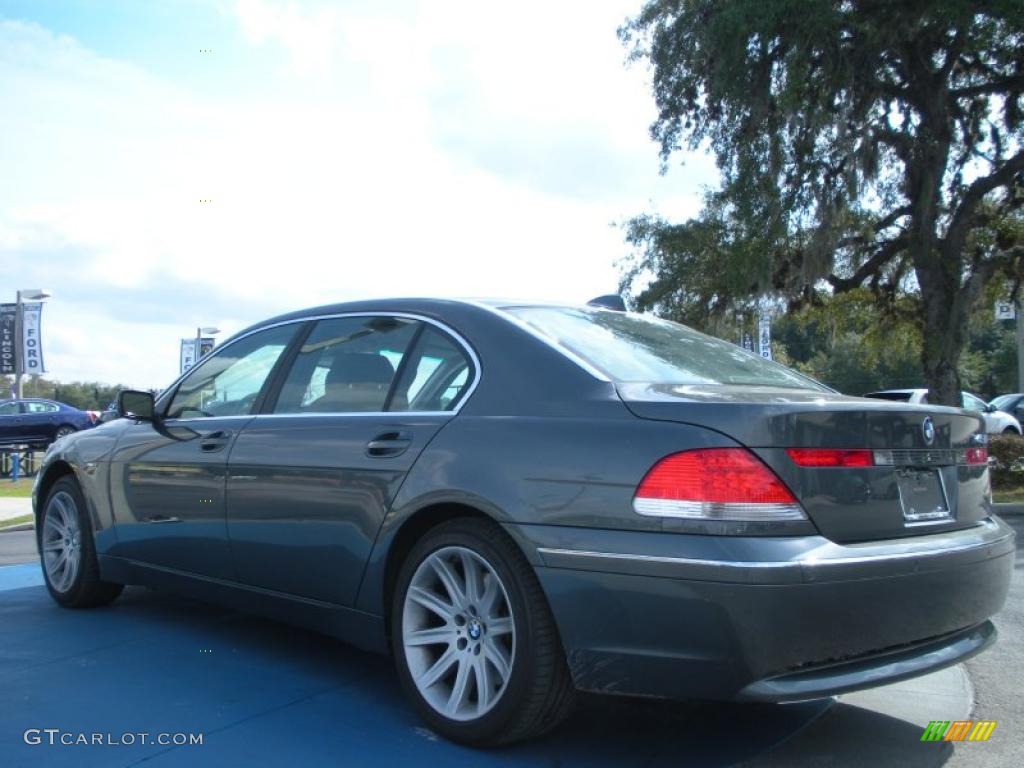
{"type": "Point", "coordinates": [389, 444]}
{"type": "Point", "coordinates": [214, 441]}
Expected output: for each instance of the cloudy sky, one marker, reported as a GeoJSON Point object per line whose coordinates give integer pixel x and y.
{"type": "Point", "coordinates": [349, 149]}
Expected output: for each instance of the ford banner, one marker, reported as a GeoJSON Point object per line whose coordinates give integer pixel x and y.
{"type": "Point", "coordinates": [31, 339]}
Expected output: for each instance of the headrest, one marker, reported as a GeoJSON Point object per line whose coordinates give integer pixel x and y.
{"type": "Point", "coordinates": [360, 368]}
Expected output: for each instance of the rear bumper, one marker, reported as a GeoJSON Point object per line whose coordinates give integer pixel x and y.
{"type": "Point", "coordinates": [765, 618]}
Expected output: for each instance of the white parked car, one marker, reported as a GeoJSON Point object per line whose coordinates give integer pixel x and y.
{"type": "Point", "coordinates": [996, 421]}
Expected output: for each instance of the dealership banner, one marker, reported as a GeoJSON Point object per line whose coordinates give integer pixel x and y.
{"type": "Point", "coordinates": [764, 337]}
{"type": "Point", "coordinates": [188, 351]}
{"type": "Point", "coordinates": [8, 341]}
{"type": "Point", "coordinates": [31, 339]}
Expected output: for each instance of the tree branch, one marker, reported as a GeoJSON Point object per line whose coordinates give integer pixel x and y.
{"type": "Point", "coordinates": [1011, 83]}
{"type": "Point", "coordinates": [881, 257]}
{"type": "Point", "coordinates": [963, 218]}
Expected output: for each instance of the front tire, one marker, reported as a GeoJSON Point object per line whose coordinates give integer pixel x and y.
{"type": "Point", "coordinates": [70, 567]}
{"type": "Point", "coordinates": [474, 642]}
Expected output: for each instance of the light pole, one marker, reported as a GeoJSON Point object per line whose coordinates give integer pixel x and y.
{"type": "Point", "coordinates": [200, 332]}
{"type": "Point", "coordinates": [24, 294]}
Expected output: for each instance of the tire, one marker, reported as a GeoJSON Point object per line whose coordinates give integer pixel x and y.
{"type": "Point", "coordinates": [1010, 431]}
{"type": "Point", "coordinates": [63, 432]}
{"type": "Point", "coordinates": [531, 689]}
{"type": "Point", "coordinates": [70, 568]}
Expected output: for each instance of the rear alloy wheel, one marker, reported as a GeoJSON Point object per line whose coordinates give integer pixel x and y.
{"type": "Point", "coordinates": [63, 432]}
{"type": "Point", "coordinates": [474, 641]}
{"type": "Point", "coordinates": [70, 567]}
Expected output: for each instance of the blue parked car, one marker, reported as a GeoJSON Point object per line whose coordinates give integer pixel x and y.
{"type": "Point", "coordinates": [38, 423]}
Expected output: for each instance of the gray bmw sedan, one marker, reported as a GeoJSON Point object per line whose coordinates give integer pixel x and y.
{"type": "Point", "coordinates": [520, 500]}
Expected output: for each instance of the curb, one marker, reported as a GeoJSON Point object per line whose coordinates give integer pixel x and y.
{"type": "Point", "coordinates": [18, 527]}
{"type": "Point", "coordinates": [1016, 508]}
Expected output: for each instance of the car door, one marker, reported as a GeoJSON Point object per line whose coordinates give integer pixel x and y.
{"type": "Point", "coordinates": [39, 422]}
{"type": "Point", "coordinates": [11, 421]}
{"type": "Point", "coordinates": [311, 479]}
{"type": "Point", "coordinates": [168, 477]}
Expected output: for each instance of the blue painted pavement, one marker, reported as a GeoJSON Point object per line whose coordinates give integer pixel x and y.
{"type": "Point", "coordinates": [263, 693]}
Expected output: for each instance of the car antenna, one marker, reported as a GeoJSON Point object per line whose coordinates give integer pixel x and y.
{"type": "Point", "coordinates": [609, 301]}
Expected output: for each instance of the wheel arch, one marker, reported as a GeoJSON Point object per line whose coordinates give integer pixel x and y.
{"type": "Point", "coordinates": [53, 472]}
{"type": "Point", "coordinates": [379, 580]}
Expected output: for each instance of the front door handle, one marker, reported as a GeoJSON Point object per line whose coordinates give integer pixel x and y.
{"type": "Point", "coordinates": [212, 442]}
{"type": "Point", "coordinates": [388, 444]}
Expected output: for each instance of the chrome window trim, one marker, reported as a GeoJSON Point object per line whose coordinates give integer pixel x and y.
{"type": "Point", "coordinates": [564, 351]}
{"type": "Point", "coordinates": [466, 347]}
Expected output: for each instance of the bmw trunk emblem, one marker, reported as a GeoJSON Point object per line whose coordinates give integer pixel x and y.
{"type": "Point", "coordinates": [928, 430]}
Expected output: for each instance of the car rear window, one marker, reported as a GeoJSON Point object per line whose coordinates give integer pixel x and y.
{"type": "Point", "coordinates": [628, 347]}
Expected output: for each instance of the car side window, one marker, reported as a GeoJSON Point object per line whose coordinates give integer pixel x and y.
{"type": "Point", "coordinates": [436, 376]}
{"type": "Point", "coordinates": [228, 382]}
{"type": "Point", "coordinates": [41, 408]}
{"type": "Point", "coordinates": [347, 365]}
{"type": "Point", "coordinates": [9, 408]}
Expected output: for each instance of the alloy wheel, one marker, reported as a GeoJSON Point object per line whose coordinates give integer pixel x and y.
{"type": "Point", "coordinates": [61, 541]}
{"type": "Point", "coordinates": [458, 633]}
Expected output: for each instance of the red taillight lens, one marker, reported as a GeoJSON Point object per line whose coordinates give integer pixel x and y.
{"type": "Point", "coordinates": [977, 455]}
{"type": "Point", "coordinates": [715, 483]}
{"type": "Point", "coordinates": [830, 457]}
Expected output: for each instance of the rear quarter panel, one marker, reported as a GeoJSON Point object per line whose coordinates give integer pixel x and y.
{"type": "Point", "coordinates": [564, 471]}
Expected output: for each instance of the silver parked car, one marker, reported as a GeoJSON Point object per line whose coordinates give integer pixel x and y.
{"type": "Point", "coordinates": [997, 422]}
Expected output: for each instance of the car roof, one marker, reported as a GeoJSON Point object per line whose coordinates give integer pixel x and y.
{"type": "Point", "coordinates": [429, 306]}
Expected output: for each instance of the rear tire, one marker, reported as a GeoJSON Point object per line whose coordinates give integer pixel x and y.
{"type": "Point", "coordinates": [63, 432]}
{"type": "Point", "coordinates": [70, 567]}
{"type": "Point", "coordinates": [475, 644]}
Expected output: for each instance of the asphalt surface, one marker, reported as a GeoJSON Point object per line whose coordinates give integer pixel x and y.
{"type": "Point", "coordinates": [263, 693]}
{"type": "Point", "coordinates": [18, 547]}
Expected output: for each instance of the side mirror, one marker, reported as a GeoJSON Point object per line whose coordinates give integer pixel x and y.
{"type": "Point", "coordinates": [133, 404]}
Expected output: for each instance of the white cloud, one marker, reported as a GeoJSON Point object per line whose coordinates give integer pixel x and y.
{"type": "Point", "coordinates": [427, 149]}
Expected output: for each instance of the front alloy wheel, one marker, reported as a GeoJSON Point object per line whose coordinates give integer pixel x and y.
{"type": "Point", "coordinates": [61, 541]}
{"type": "Point", "coordinates": [475, 644]}
{"type": "Point", "coordinates": [69, 559]}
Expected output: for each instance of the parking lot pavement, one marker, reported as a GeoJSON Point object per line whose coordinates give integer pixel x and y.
{"type": "Point", "coordinates": [18, 547]}
{"type": "Point", "coordinates": [261, 693]}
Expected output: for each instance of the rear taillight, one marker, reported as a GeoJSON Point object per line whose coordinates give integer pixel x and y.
{"type": "Point", "coordinates": [976, 455]}
{"type": "Point", "coordinates": [830, 457]}
{"type": "Point", "coordinates": [716, 484]}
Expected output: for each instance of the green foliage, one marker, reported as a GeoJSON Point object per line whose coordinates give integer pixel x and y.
{"type": "Point", "coordinates": [861, 146]}
{"type": "Point", "coordinates": [86, 395]}
{"type": "Point", "coordinates": [1006, 460]}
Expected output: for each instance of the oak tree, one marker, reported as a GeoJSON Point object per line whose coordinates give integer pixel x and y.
{"type": "Point", "coordinates": [862, 144]}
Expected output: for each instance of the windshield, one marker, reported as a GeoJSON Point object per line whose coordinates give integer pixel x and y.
{"type": "Point", "coordinates": [1003, 402]}
{"type": "Point", "coordinates": [628, 347]}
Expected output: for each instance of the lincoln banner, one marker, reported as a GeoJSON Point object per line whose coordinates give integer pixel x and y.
{"type": "Point", "coordinates": [8, 341]}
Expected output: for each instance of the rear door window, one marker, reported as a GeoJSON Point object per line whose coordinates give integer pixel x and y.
{"type": "Point", "coordinates": [437, 376]}
{"type": "Point", "coordinates": [347, 365]}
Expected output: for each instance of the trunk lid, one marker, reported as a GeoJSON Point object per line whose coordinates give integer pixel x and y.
{"type": "Point", "coordinates": [915, 487]}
